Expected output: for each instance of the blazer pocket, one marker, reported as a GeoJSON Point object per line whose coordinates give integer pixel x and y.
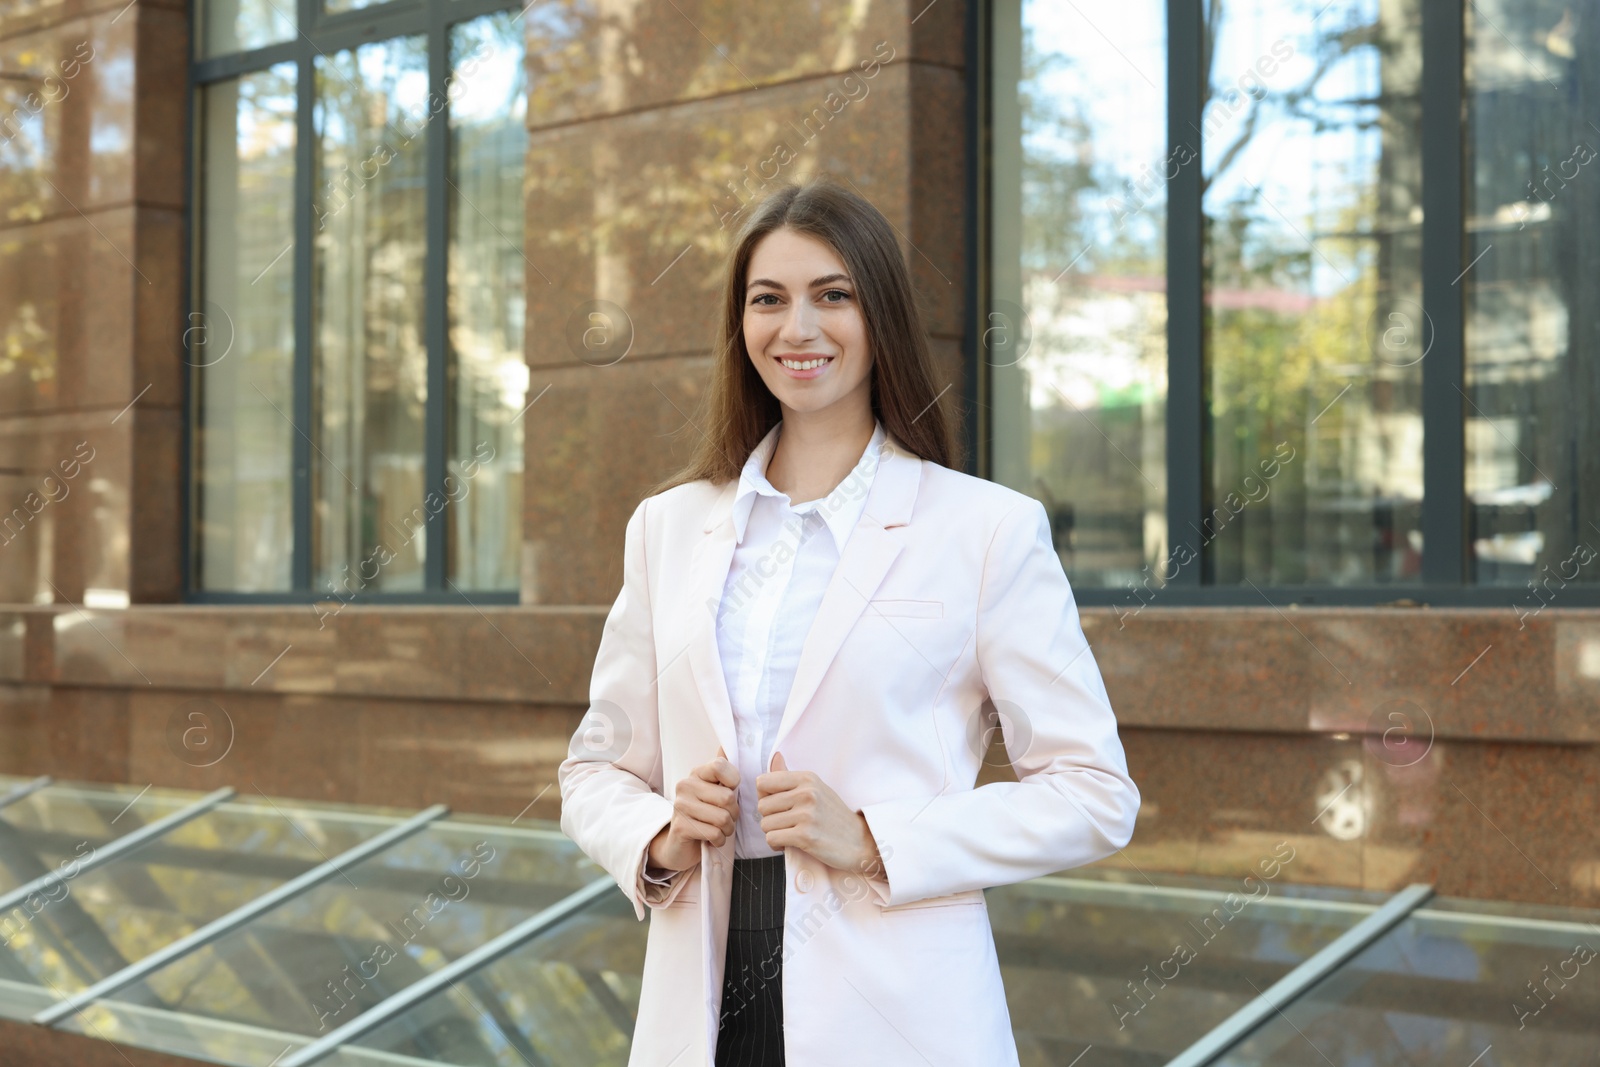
{"type": "Point", "coordinates": [967, 898]}
{"type": "Point", "coordinates": [907, 609]}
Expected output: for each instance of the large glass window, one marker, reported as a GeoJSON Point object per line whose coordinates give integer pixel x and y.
{"type": "Point", "coordinates": [241, 338]}
{"type": "Point", "coordinates": [1310, 152]}
{"type": "Point", "coordinates": [228, 26]}
{"type": "Point", "coordinates": [1258, 274]}
{"type": "Point", "coordinates": [1532, 319]}
{"type": "Point", "coordinates": [488, 138]}
{"type": "Point", "coordinates": [368, 326]}
{"type": "Point", "coordinates": [356, 334]}
{"type": "Point", "coordinates": [1075, 337]}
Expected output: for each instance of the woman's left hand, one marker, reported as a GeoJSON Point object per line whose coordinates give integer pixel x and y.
{"type": "Point", "coordinates": [799, 809]}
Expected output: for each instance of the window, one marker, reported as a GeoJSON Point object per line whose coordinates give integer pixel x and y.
{"type": "Point", "coordinates": [356, 328]}
{"type": "Point", "coordinates": [1532, 321]}
{"type": "Point", "coordinates": [1286, 301]}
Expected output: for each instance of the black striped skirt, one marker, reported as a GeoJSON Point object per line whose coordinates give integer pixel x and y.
{"type": "Point", "coordinates": [750, 1030]}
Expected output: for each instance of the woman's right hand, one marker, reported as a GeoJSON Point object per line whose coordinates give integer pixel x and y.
{"type": "Point", "coordinates": [705, 808]}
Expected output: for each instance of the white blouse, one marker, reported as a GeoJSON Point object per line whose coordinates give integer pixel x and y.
{"type": "Point", "coordinates": [784, 560]}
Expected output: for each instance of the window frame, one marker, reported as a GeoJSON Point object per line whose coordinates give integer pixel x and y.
{"type": "Point", "coordinates": [1446, 579]}
{"type": "Point", "coordinates": [321, 34]}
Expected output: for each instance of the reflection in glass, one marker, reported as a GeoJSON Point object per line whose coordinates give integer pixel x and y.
{"type": "Point", "coordinates": [240, 25]}
{"type": "Point", "coordinates": [566, 999]}
{"type": "Point", "coordinates": [331, 953]}
{"type": "Point", "coordinates": [1137, 965]}
{"type": "Point", "coordinates": [1075, 340]}
{"type": "Point", "coordinates": [487, 301]}
{"type": "Point", "coordinates": [96, 923]}
{"type": "Point", "coordinates": [1314, 326]}
{"type": "Point", "coordinates": [1454, 979]}
{"type": "Point", "coordinates": [61, 824]}
{"type": "Point", "coordinates": [240, 337]}
{"type": "Point", "coordinates": [57, 832]}
{"type": "Point", "coordinates": [334, 7]}
{"type": "Point", "coordinates": [1532, 318]}
{"type": "Point", "coordinates": [1142, 969]}
{"type": "Point", "coordinates": [370, 357]}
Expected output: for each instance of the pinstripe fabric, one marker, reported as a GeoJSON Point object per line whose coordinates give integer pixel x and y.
{"type": "Point", "coordinates": [750, 1032]}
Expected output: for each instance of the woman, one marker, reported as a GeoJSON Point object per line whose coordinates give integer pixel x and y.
{"type": "Point", "coordinates": [788, 708]}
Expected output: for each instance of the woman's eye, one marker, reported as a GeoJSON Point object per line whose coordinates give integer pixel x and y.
{"type": "Point", "coordinates": [757, 300]}
{"type": "Point", "coordinates": [836, 292]}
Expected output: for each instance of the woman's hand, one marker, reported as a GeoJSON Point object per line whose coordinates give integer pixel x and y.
{"type": "Point", "coordinates": [705, 807]}
{"type": "Point", "coordinates": [798, 808]}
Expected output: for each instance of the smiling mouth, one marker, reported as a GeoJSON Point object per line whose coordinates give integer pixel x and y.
{"type": "Point", "coordinates": [804, 364]}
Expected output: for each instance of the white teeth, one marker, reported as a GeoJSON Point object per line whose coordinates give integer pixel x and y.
{"type": "Point", "coordinates": [802, 365]}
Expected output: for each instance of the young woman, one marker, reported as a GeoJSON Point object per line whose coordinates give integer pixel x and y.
{"type": "Point", "coordinates": [820, 621]}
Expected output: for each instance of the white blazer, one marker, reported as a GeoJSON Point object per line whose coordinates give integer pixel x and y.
{"type": "Point", "coordinates": [948, 596]}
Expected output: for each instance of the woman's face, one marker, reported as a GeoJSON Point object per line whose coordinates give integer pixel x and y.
{"type": "Point", "coordinates": [800, 309]}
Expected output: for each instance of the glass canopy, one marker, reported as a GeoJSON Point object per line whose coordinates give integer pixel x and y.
{"type": "Point", "coordinates": [1456, 978]}
{"type": "Point", "coordinates": [250, 930]}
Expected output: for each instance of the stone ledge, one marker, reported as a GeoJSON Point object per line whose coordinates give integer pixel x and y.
{"type": "Point", "coordinates": [1461, 673]}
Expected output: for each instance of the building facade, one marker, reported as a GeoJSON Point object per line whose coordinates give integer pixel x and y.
{"type": "Point", "coordinates": [1287, 318]}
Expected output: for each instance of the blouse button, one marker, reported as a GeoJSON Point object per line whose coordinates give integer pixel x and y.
{"type": "Point", "coordinates": [802, 881]}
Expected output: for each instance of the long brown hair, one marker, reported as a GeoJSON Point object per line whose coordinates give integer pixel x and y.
{"type": "Point", "coordinates": [739, 410]}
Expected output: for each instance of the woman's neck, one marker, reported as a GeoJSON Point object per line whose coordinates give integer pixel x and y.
{"type": "Point", "coordinates": [816, 450]}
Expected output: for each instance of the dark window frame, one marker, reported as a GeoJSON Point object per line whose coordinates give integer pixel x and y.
{"type": "Point", "coordinates": [321, 34]}
{"type": "Point", "coordinates": [1446, 560]}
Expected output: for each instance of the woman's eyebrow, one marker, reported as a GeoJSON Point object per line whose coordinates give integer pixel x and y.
{"type": "Point", "coordinates": [824, 280]}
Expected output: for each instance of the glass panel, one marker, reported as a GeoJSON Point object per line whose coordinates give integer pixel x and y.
{"type": "Point", "coordinates": [1076, 337]}
{"type": "Point", "coordinates": [1532, 321]}
{"type": "Point", "coordinates": [239, 25]}
{"type": "Point", "coordinates": [370, 360]}
{"type": "Point", "coordinates": [333, 7]}
{"type": "Point", "coordinates": [241, 338]}
{"type": "Point", "coordinates": [1314, 325]}
{"type": "Point", "coordinates": [57, 830]}
{"type": "Point", "coordinates": [487, 300]}
{"type": "Point", "coordinates": [1454, 979]}
{"type": "Point", "coordinates": [1140, 970]}
{"type": "Point", "coordinates": [568, 998]}
{"type": "Point", "coordinates": [95, 924]}
{"type": "Point", "coordinates": [61, 826]}
{"type": "Point", "coordinates": [331, 953]}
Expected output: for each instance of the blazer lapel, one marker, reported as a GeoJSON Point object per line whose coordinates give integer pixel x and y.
{"type": "Point", "coordinates": [868, 553]}
{"type": "Point", "coordinates": [871, 548]}
{"type": "Point", "coordinates": [708, 573]}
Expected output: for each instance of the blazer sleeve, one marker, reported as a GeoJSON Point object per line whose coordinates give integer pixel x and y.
{"type": "Point", "coordinates": [1074, 802]}
{"type": "Point", "coordinates": [611, 789]}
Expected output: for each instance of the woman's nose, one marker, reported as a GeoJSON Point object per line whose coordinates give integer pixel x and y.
{"type": "Point", "coordinates": [800, 323]}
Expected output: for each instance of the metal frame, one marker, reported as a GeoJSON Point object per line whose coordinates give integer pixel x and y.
{"type": "Point", "coordinates": [321, 34]}
{"type": "Point", "coordinates": [1446, 568]}
{"type": "Point", "coordinates": [975, 235]}
{"type": "Point", "coordinates": [1280, 994]}
{"type": "Point", "coordinates": [208, 933]}
{"type": "Point", "coordinates": [1444, 507]}
{"type": "Point", "coordinates": [26, 789]}
{"type": "Point", "coordinates": [484, 954]}
{"type": "Point", "coordinates": [1173, 897]}
{"type": "Point", "coordinates": [119, 847]}
{"type": "Point", "coordinates": [1188, 404]}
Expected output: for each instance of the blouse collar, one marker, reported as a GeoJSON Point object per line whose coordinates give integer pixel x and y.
{"type": "Point", "coordinates": [840, 509]}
